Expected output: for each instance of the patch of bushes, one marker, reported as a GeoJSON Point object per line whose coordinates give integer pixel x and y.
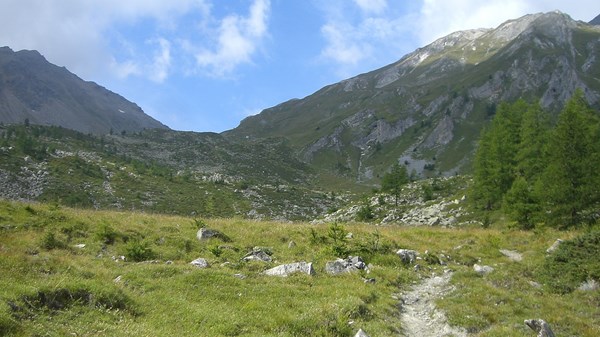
{"type": "Point", "coordinates": [574, 262]}
{"type": "Point", "coordinates": [138, 251]}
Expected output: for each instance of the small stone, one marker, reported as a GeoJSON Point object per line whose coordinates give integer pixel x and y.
{"type": "Point", "coordinates": [407, 256]}
{"type": "Point", "coordinates": [80, 245]}
{"type": "Point", "coordinates": [292, 244]}
{"type": "Point", "coordinates": [589, 285]}
{"type": "Point", "coordinates": [554, 246]}
{"type": "Point", "coordinates": [482, 270]}
{"type": "Point", "coordinates": [200, 263]}
{"type": "Point", "coordinates": [361, 333]}
{"type": "Point", "coordinates": [169, 262]}
{"type": "Point", "coordinates": [240, 276]}
{"type": "Point", "coordinates": [285, 270]}
{"type": "Point", "coordinates": [117, 279]}
{"type": "Point", "coordinates": [512, 255]}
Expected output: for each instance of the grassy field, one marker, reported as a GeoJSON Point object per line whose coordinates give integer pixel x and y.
{"type": "Point", "coordinates": [50, 287]}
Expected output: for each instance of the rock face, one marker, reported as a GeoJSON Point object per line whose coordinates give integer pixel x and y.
{"type": "Point", "coordinates": [200, 263]}
{"type": "Point", "coordinates": [348, 265]}
{"type": "Point", "coordinates": [407, 256]}
{"type": "Point", "coordinates": [361, 333]}
{"type": "Point", "coordinates": [285, 270]}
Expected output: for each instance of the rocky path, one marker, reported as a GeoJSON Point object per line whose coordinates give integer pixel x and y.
{"type": "Point", "coordinates": [420, 317]}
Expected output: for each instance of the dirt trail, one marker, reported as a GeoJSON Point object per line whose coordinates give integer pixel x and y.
{"type": "Point", "coordinates": [420, 317]}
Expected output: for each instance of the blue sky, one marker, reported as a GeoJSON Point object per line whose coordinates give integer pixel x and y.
{"type": "Point", "coordinates": [204, 65]}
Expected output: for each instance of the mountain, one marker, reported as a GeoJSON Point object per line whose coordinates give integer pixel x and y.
{"type": "Point", "coordinates": [34, 89]}
{"type": "Point", "coordinates": [595, 21]}
{"type": "Point", "coordinates": [427, 109]}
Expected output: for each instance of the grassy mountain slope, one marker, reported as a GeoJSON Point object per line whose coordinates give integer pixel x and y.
{"type": "Point", "coordinates": [159, 171]}
{"type": "Point", "coordinates": [428, 109]}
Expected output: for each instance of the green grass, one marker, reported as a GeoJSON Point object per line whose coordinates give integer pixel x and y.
{"type": "Point", "coordinates": [49, 287]}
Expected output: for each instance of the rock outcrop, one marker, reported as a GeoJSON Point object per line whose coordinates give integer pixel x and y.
{"type": "Point", "coordinates": [285, 270]}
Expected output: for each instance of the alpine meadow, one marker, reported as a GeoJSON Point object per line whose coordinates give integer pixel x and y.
{"type": "Point", "coordinates": [455, 192]}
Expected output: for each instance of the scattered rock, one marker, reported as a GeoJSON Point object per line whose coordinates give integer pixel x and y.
{"type": "Point", "coordinates": [369, 280]}
{"type": "Point", "coordinates": [535, 284]}
{"type": "Point", "coordinates": [80, 245]}
{"type": "Point", "coordinates": [349, 236]}
{"type": "Point", "coordinates": [258, 254]}
{"type": "Point", "coordinates": [407, 256]}
{"type": "Point", "coordinates": [589, 285]}
{"type": "Point", "coordinates": [482, 270]}
{"type": "Point", "coordinates": [540, 326]}
{"type": "Point", "coordinates": [240, 276]}
{"type": "Point", "coordinates": [348, 265]}
{"type": "Point", "coordinates": [285, 270]}
{"type": "Point", "coordinates": [200, 263]}
{"type": "Point", "coordinates": [169, 262]}
{"type": "Point", "coordinates": [512, 255]}
{"type": "Point", "coordinates": [361, 333]}
{"type": "Point", "coordinates": [117, 279]}
{"type": "Point", "coordinates": [291, 244]}
{"type": "Point", "coordinates": [207, 233]}
{"type": "Point", "coordinates": [554, 246]}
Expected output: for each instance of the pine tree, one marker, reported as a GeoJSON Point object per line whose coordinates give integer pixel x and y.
{"type": "Point", "coordinates": [569, 182]}
{"type": "Point", "coordinates": [393, 181]}
{"type": "Point", "coordinates": [533, 136]}
{"type": "Point", "coordinates": [520, 204]}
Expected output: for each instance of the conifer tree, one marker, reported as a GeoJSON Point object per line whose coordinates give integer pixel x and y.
{"type": "Point", "coordinates": [570, 180]}
{"type": "Point", "coordinates": [393, 181]}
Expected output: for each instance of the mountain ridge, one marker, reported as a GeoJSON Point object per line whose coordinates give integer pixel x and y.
{"type": "Point", "coordinates": [32, 88]}
{"type": "Point", "coordinates": [427, 109]}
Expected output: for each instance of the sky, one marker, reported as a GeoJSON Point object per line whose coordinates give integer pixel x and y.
{"type": "Point", "coordinates": [204, 65]}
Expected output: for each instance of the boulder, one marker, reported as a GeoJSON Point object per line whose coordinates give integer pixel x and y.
{"type": "Point", "coordinates": [361, 333]}
{"type": "Point", "coordinates": [589, 285]}
{"type": "Point", "coordinates": [482, 270]}
{"type": "Point", "coordinates": [407, 256]}
{"type": "Point", "coordinates": [540, 326]}
{"type": "Point", "coordinates": [200, 263]}
{"type": "Point", "coordinates": [512, 255]}
{"type": "Point", "coordinates": [207, 233]}
{"type": "Point", "coordinates": [258, 254]}
{"type": "Point", "coordinates": [285, 270]}
{"type": "Point", "coordinates": [348, 265]}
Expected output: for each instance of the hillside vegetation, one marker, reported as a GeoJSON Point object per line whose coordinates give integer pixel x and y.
{"type": "Point", "coordinates": [85, 272]}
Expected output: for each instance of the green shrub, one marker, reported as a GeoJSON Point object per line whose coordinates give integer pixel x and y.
{"type": "Point", "coordinates": [107, 234]}
{"type": "Point", "coordinates": [138, 251]}
{"type": "Point", "coordinates": [574, 262]}
{"type": "Point", "coordinates": [365, 213]}
{"type": "Point", "coordinates": [51, 241]}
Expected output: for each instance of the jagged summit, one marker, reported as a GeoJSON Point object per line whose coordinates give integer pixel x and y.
{"type": "Point", "coordinates": [595, 21]}
{"type": "Point", "coordinates": [32, 88]}
{"type": "Point", "coordinates": [426, 110]}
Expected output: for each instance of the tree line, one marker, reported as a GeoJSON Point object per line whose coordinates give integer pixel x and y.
{"type": "Point", "coordinates": [538, 171]}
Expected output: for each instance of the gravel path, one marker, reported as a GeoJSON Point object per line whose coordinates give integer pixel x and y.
{"type": "Point", "coordinates": [420, 317]}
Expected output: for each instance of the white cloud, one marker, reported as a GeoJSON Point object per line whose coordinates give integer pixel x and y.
{"type": "Point", "coordinates": [236, 41]}
{"type": "Point", "coordinates": [372, 6]}
{"type": "Point", "coordinates": [162, 62]}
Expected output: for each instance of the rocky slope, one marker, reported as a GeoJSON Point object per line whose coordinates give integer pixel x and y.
{"type": "Point", "coordinates": [32, 88]}
{"type": "Point", "coordinates": [427, 109]}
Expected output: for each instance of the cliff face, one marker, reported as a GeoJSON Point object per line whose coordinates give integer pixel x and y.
{"type": "Point", "coordinates": [430, 106]}
{"type": "Point", "coordinates": [34, 89]}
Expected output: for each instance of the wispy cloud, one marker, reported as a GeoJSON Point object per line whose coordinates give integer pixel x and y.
{"type": "Point", "coordinates": [372, 6]}
{"type": "Point", "coordinates": [237, 39]}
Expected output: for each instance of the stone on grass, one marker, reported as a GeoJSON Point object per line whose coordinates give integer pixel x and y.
{"type": "Point", "coordinates": [361, 333]}
{"type": "Point", "coordinates": [207, 233]}
{"type": "Point", "coordinates": [348, 265]}
{"type": "Point", "coordinates": [258, 254]}
{"type": "Point", "coordinates": [200, 263]}
{"type": "Point", "coordinates": [589, 285]}
{"type": "Point", "coordinates": [540, 326]}
{"type": "Point", "coordinates": [512, 255]}
{"type": "Point", "coordinates": [407, 256]}
{"type": "Point", "coordinates": [554, 246]}
{"type": "Point", "coordinates": [285, 270]}
{"type": "Point", "coordinates": [482, 270]}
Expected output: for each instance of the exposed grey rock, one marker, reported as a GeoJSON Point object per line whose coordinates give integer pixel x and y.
{"type": "Point", "coordinates": [240, 276]}
{"type": "Point", "coordinates": [407, 256]}
{"type": "Point", "coordinates": [80, 245]}
{"type": "Point", "coordinates": [118, 279]}
{"type": "Point", "coordinates": [258, 254]}
{"type": "Point", "coordinates": [348, 265]}
{"type": "Point", "coordinates": [207, 233]}
{"type": "Point", "coordinates": [589, 285]}
{"type": "Point", "coordinates": [361, 333]}
{"type": "Point", "coordinates": [200, 263]}
{"type": "Point", "coordinates": [482, 270]}
{"type": "Point", "coordinates": [512, 255]}
{"type": "Point", "coordinates": [554, 246]}
{"type": "Point", "coordinates": [540, 326]}
{"type": "Point", "coordinates": [292, 244]}
{"type": "Point", "coordinates": [285, 270]}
